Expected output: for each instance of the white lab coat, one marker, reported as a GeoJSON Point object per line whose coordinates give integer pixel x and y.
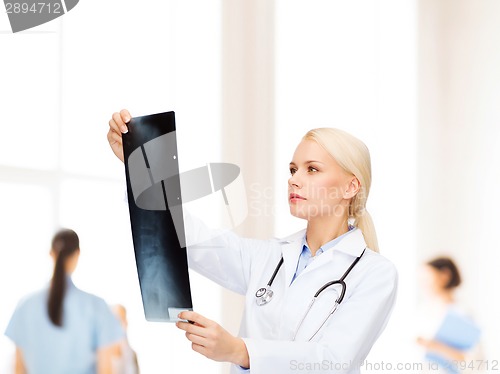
{"type": "Point", "coordinates": [244, 265]}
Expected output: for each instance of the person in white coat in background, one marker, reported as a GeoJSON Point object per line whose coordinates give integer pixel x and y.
{"type": "Point", "coordinates": [330, 177]}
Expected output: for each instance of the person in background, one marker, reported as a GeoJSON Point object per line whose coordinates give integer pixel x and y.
{"type": "Point", "coordinates": [61, 329]}
{"type": "Point", "coordinates": [124, 357]}
{"type": "Point", "coordinates": [452, 336]}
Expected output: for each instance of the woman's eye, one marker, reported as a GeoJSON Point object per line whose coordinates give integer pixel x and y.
{"type": "Point", "coordinates": [292, 171]}
{"type": "Point", "coordinates": [311, 169]}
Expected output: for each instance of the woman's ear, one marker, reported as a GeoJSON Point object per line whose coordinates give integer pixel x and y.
{"type": "Point", "coordinates": [352, 188]}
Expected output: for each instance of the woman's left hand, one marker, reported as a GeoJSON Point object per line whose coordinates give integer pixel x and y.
{"type": "Point", "coordinates": [442, 349]}
{"type": "Point", "coordinates": [212, 341]}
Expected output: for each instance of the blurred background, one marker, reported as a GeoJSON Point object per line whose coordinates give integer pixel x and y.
{"type": "Point", "coordinates": [416, 80]}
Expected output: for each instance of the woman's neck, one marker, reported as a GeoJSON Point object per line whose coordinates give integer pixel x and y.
{"type": "Point", "coordinates": [446, 296]}
{"type": "Point", "coordinates": [324, 229]}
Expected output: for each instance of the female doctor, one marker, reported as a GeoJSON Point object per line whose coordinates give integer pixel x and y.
{"type": "Point", "coordinates": [316, 301]}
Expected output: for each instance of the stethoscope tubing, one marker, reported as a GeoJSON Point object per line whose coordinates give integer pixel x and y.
{"type": "Point", "coordinates": [339, 300]}
{"type": "Point", "coordinates": [275, 272]}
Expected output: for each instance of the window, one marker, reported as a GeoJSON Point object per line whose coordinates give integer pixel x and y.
{"type": "Point", "coordinates": [61, 82]}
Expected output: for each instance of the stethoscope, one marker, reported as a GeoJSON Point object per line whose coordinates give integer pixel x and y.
{"type": "Point", "coordinates": [265, 294]}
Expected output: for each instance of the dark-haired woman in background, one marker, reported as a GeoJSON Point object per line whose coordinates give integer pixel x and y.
{"type": "Point", "coordinates": [452, 336]}
{"type": "Point", "coordinates": [62, 329]}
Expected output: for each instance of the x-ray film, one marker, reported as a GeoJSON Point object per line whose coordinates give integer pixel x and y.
{"type": "Point", "coordinates": [155, 205]}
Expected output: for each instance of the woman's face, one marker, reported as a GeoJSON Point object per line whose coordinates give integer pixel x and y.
{"type": "Point", "coordinates": [318, 186]}
{"type": "Point", "coordinates": [433, 280]}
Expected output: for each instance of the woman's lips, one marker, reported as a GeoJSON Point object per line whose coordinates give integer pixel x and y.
{"type": "Point", "coordinates": [295, 197]}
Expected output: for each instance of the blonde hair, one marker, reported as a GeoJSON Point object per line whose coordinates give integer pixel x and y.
{"type": "Point", "coordinates": [353, 156]}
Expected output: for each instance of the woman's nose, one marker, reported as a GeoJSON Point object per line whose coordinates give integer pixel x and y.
{"type": "Point", "coordinates": [293, 181]}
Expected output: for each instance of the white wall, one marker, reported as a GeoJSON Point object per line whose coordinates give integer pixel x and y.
{"type": "Point", "coordinates": [459, 153]}
{"type": "Point", "coordinates": [352, 65]}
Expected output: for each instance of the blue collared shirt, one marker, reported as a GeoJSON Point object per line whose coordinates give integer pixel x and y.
{"type": "Point", "coordinates": [88, 324]}
{"type": "Point", "coordinates": [306, 256]}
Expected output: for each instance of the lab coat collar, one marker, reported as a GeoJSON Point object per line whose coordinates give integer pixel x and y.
{"type": "Point", "coordinates": [290, 250]}
{"type": "Point", "coordinates": [299, 235]}
{"type": "Point", "coordinates": [352, 244]}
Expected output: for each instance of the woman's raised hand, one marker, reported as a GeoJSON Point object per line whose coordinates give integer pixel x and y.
{"type": "Point", "coordinates": [117, 127]}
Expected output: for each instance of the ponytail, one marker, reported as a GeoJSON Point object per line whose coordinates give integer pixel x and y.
{"type": "Point", "coordinates": [64, 244]}
{"type": "Point", "coordinates": [365, 223]}
{"type": "Point", "coordinates": [363, 219]}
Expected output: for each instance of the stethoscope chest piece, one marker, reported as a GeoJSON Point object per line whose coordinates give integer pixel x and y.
{"type": "Point", "coordinates": [263, 295]}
